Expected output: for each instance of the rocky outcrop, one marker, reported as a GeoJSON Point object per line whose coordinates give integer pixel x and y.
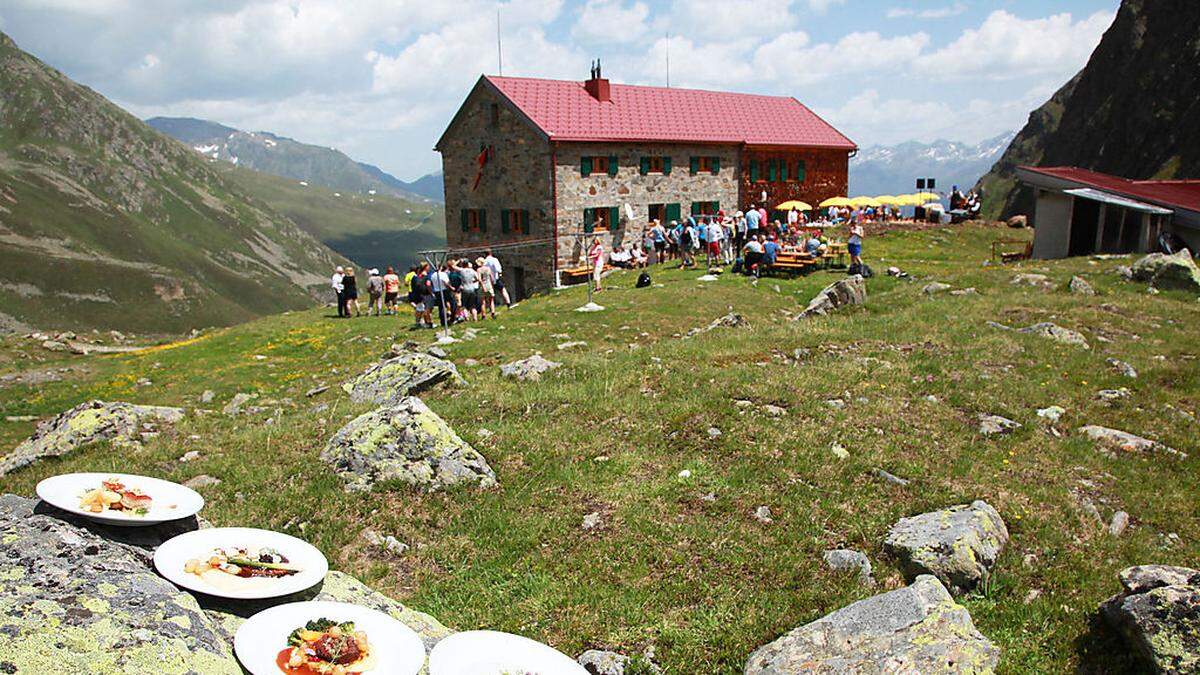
{"type": "Point", "coordinates": [1079, 286]}
{"type": "Point", "coordinates": [87, 423]}
{"type": "Point", "coordinates": [915, 629]}
{"type": "Point", "coordinates": [406, 374]}
{"type": "Point", "coordinates": [528, 369]}
{"type": "Point", "coordinates": [849, 291]}
{"type": "Point", "coordinates": [1168, 271]}
{"type": "Point", "coordinates": [1053, 331]}
{"type": "Point", "coordinates": [406, 443]}
{"type": "Point", "coordinates": [63, 584]}
{"type": "Point", "coordinates": [730, 320]}
{"type": "Point", "coordinates": [958, 545]}
{"type": "Point", "coordinates": [1158, 613]}
{"type": "Point", "coordinates": [601, 662]}
{"type": "Point", "coordinates": [1115, 439]}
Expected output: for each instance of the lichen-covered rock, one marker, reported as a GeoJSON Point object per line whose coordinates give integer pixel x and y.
{"type": "Point", "coordinates": [1080, 286]}
{"type": "Point", "coordinates": [237, 404]}
{"type": "Point", "coordinates": [1158, 613]}
{"type": "Point", "coordinates": [730, 320]}
{"type": "Point", "coordinates": [1115, 439]}
{"type": "Point", "coordinates": [409, 443]}
{"type": "Point", "coordinates": [993, 425]}
{"type": "Point", "coordinates": [1057, 333]}
{"type": "Point", "coordinates": [72, 601]}
{"type": "Point", "coordinates": [600, 662]}
{"type": "Point", "coordinates": [86, 423]}
{"type": "Point", "coordinates": [405, 374]}
{"type": "Point", "coordinates": [1122, 367]}
{"type": "Point", "coordinates": [958, 545]}
{"type": "Point", "coordinates": [849, 291]}
{"type": "Point", "coordinates": [528, 369]}
{"type": "Point", "coordinates": [935, 287]}
{"type": "Point", "coordinates": [915, 629]}
{"type": "Point", "coordinates": [1168, 271]}
{"type": "Point", "coordinates": [1030, 280]}
{"type": "Point", "coordinates": [846, 560]}
{"type": "Point", "coordinates": [227, 616]}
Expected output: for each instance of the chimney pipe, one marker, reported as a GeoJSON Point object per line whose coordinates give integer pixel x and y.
{"type": "Point", "coordinates": [598, 87]}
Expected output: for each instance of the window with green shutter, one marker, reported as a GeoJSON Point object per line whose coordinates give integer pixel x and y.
{"type": "Point", "coordinates": [695, 208]}
{"type": "Point", "coordinates": [674, 211]}
{"type": "Point", "coordinates": [695, 168]}
{"type": "Point", "coordinates": [504, 221]}
{"type": "Point", "coordinates": [753, 171]}
{"type": "Point", "coordinates": [482, 220]}
{"type": "Point", "coordinates": [466, 227]}
{"type": "Point", "coordinates": [645, 166]}
{"type": "Point", "coordinates": [715, 165]}
{"type": "Point", "coordinates": [612, 165]}
{"type": "Point", "coordinates": [589, 220]}
{"type": "Point", "coordinates": [585, 166]}
{"type": "Point", "coordinates": [667, 165]}
{"type": "Point", "coordinates": [771, 170]}
{"type": "Point", "coordinates": [800, 172]}
{"type": "Point", "coordinates": [614, 217]}
{"type": "Point", "coordinates": [783, 172]}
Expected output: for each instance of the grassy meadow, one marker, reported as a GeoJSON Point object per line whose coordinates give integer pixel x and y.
{"type": "Point", "coordinates": [681, 563]}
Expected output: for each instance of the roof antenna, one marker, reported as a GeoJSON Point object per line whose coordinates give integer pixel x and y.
{"type": "Point", "coordinates": [668, 59]}
{"type": "Point", "coordinates": [499, 51]}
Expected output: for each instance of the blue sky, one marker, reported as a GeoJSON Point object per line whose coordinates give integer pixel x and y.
{"type": "Point", "coordinates": [379, 79]}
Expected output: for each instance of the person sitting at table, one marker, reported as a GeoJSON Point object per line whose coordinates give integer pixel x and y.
{"type": "Point", "coordinates": [637, 258]}
{"type": "Point", "coordinates": [620, 258]}
{"type": "Point", "coordinates": [752, 255]}
{"type": "Point", "coordinates": [770, 251]}
{"type": "Point", "coordinates": [813, 246]}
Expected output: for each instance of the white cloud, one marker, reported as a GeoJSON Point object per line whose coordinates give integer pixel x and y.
{"type": "Point", "coordinates": [821, 6]}
{"type": "Point", "coordinates": [730, 19]}
{"type": "Point", "coordinates": [786, 58]}
{"type": "Point", "coordinates": [612, 21]}
{"type": "Point", "coordinates": [930, 13]}
{"type": "Point", "coordinates": [1008, 47]}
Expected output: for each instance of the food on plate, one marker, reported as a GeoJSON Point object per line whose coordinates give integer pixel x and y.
{"type": "Point", "coordinates": [326, 647]}
{"type": "Point", "coordinates": [113, 495]}
{"type": "Point", "coordinates": [243, 562]}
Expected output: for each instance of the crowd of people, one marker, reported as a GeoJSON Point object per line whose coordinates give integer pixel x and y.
{"type": "Point", "coordinates": [748, 239]}
{"type": "Point", "coordinates": [460, 289]}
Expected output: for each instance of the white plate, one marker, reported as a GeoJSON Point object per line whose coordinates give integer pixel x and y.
{"type": "Point", "coordinates": [171, 556]}
{"type": "Point", "coordinates": [169, 501]}
{"type": "Point", "coordinates": [398, 648]}
{"type": "Point", "coordinates": [489, 652]}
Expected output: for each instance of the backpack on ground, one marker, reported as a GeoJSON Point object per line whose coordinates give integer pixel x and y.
{"type": "Point", "coordinates": [862, 269]}
{"type": "Point", "coordinates": [643, 280]}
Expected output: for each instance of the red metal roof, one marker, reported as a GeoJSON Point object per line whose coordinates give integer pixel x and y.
{"type": "Point", "coordinates": [565, 111]}
{"type": "Point", "coordinates": [1184, 194]}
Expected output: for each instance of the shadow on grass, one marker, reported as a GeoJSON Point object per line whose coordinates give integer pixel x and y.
{"type": "Point", "coordinates": [1103, 651]}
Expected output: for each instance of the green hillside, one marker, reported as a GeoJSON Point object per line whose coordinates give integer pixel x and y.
{"type": "Point", "coordinates": [679, 562]}
{"type": "Point", "coordinates": [371, 230]}
{"type": "Point", "coordinates": [106, 223]}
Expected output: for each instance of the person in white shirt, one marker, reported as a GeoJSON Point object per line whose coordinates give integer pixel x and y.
{"type": "Point", "coordinates": [439, 283]}
{"type": "Point", "coordinates": [715, 233]}
{"type": "Point", "coordinates": [497, 276]}
{"type": "Point", "coordinates": [335, 282]}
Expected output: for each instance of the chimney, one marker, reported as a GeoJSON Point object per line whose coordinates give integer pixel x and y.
{"type": "Point", "coordinates": [597, 86]}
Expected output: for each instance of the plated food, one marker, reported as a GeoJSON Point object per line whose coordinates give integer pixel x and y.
{"type": "Point", "coordinates": [327, 638]}
{"type": "Point", "coordinates": [488, 652]}
{"type": "Point", "coordinates": [242, 563]}
{"type": "Point", "coordinates": [326, 647]}
{"type": "Point", "coordinates": [120, 499]}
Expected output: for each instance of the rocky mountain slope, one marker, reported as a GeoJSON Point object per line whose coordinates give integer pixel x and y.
{"type": "Point", "coordinates": [285, 157]}
{"type": "Point", "coordinates": [894, 169]}
{"type": "Point", "coordinates": [106, 223]}
{"type": "Point", "coordinates": [1133, 111]}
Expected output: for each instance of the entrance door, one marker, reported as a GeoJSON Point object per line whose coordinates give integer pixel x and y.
{"type": "Point", "coordinates": [1084, 219]}
{"type": "Point", "coordinates": [518, 279]}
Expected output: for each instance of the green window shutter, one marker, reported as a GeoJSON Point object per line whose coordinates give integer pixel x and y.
{"type": "Point", "coordinates": [753, 171]}
{"type": "Point", "coordinates": [695, 208]}
{"type": "Point", "coordinates": [589, 220]}
{"type": "Point", "coordinates": [716, 165]}
{"type": "Point", "coordinates": [695, 165]}
{"type": "Point", "coordinates": [667, 165]}
{"type": "Point", "coordinates": [771, 171]}
{"type": "Point", "coordinates": [504, 220]}
{"type": "Point", "coordinates": [465, 226]}
{"type": "Point", "coordinates": [800, 173]}
{"type": "Point", "coordinates": [612, 165]}
{"type": "Point", "coordinates": [585, 166]}
{"type": "Point", "coordinates": [673, 212]}
{"type": "Point", "coordinates": [482, 220]}
{"type": "Point", "coordinates": [614, 217]}
{"type": "Point", "coordinates": [783, 169]}
{"type": "Point", "coordinates": [645, 168]}
{"type": "Point", "coordinates": [526, 221]}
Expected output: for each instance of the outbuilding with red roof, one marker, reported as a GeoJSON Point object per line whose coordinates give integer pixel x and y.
{"type": "Point", "coordinates": [540, 166]}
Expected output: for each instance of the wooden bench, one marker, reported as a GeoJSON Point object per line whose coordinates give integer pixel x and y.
{"type": "Point", "coordinates": [578, 275]}
{"type": "Point", "coordinates": [791, 262]}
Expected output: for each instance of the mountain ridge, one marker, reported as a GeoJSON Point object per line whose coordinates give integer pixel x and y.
{"type": "Point", "coordinates": [893, 169]}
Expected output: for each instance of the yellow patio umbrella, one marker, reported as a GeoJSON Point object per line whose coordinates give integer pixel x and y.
{"type": "Point", "coordinates": [928, 196]}
{"type": "Point", "coordinates": [909, 200]}
{"type": "Point", "coordinates": [864, 201]}
{"type": "Point", "coordinates": [794, 204]}
{"type": "Point", "coordinates": [888, 200]}
{"type": "Point", "coordinates": [836, 201]}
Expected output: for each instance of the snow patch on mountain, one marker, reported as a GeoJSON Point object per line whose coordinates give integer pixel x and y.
{"type": "Point", "coordinates": [894, 169]}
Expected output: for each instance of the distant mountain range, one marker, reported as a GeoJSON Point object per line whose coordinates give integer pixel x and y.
{"type": "Point", "coordinates": [894, 169]}
{"type": "Point", "coordinates": [1132, 111]}
{"type": "Point", "coordinates": [106, 223]}
{"type": "Point", "coordinates": [285, 157]}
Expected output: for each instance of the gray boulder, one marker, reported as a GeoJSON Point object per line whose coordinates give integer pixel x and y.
{"type": "Point", "coordinates": [992, 425]}
{"type": "Point", "coordinates": [934, 287]}
{"type": "Point", "coordinates": [1057, 333]}
{"type": "Point", "coordinates": [87, 423]}
{"type": "Point", "coordinates": [1029, 279]}
{"type": "Point", "coordinates": [1122, 367]}
{"type": "Point", "coordinates": [68, 585]}
{"type": "Point", "coordinates": [1115, 439]}
{"type": "Point", "coordinates": [528, 369]}
{"type": "Point", "coordinates": [958, 545]}
{"type": "Point", "coordinates": [406, 374]}
{"type": "Point", "coordinates": [1168, 271]}
{"type": "Point", "coordinates": [915, 629]}
{"type": "Point", "coordinates": [1080, 286]}
{"type": "Point", "coordinates": [845, 560]}
{"type": "Point", "coordinates": [849, 291]}
{"type": "Point", "coordinates": [409, 443]}
{"type": "Point", "coordinates": [730, 320]}
{"type": "Point", "coordinates": [601, 662]}
{"type": "Point", "coordinates": [1158, 613]}
{"type": "Point", "coordinates": [237, 404]}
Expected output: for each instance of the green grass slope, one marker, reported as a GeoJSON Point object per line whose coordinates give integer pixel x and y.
{"type": "Point", "coordinates": [106, 223]}
{"type": "Point", "coordinates": [371, 230]}
{"type": "Point", "coordinates": [698, 578]}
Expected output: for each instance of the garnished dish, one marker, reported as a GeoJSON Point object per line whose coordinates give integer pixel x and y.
{"type": "Point", "coordinates": [114, 495]}
{"type": "Point", "coordinates": [327, 638]}
{"type": "Point", "coordinates": [242, 562]}
{"type": "Point", "coordinates": [326, 647]}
